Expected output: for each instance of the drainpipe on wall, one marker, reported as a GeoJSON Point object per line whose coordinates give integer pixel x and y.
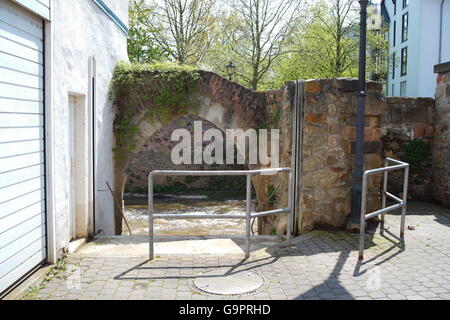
{"type": "Point", "coordinates": [440, 30]}
{"type": "Point", "coordinates": [353, 224]}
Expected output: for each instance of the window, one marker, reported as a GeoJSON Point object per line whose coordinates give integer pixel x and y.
{"type": "Point", "coordinates": [405, 3]}
{"type": "Point", "coordinates": [393, 90]}
{"type": "Point", "coordinates": [394, 35]}
{"type": "Point", "coordinates": [394, 2]}
{"type": "Point", "coordinates": [404, 63]}
{"type": "Point", "coordinates": [393, 65]}
{"type": "Point", "coordinates": [405, 27]}
{"type": "Point", "coordinates": [403, 89]}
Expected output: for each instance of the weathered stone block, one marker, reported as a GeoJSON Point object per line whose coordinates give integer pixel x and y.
{"type": "Point", "coordinates": [369, 147]}
{"type": "Point", "coordinates": [373, 121]}
{"type": "Point", "coordinates": [349, 133]}
{"type": "Point", "coordinates": [312, 87]}
{"type": "Point", "coordinates": [337, 193]}
{"type": "Point", "coordinates": [331, 160]}
{"type": "Point", "coordinates": [334, 126]}
{"type": "Point", "coordinates": [311, 163]}
{"type": "Point", "coordinates": [308, 202]}
{"type": "Point", "coordinates": [335, 140]}
{"type": "Point", "coordinates": [372, 134]}
{"type": "Point", "coordinates": [375, 105]}
{"type": "Point", "coordinates": [348, 85]}
{"type": "Point", "coordinates": [332, 110]}
{"type": "Point", "coordinates": [315, 117]}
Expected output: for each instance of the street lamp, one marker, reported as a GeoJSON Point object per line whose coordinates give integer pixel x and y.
{"type": "Point", "coordinates": [358, 171]}
{"type": "Point", "coordinates": [230, 70]}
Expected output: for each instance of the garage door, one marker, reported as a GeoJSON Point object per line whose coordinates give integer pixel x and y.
{"type": "Point", "coordinates": [22, 170]}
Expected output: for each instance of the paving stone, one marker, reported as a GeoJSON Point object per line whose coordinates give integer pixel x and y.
{"type": "Point", "coordinates": [322, 267]}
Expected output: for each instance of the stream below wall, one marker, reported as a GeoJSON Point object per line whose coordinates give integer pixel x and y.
{"type": "Point", "coordinates": [137, 215]}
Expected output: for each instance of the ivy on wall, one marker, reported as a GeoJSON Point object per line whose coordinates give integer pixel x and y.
{"type": "Point", "coordinates": [150, 92]}
{"type": "Point", "coordinates": [416, 152]}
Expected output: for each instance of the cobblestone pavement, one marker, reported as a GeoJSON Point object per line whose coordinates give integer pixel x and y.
{"type": "Point", "coordinates": [321, 265]}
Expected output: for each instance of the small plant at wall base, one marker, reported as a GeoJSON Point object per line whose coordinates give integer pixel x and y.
{"type": "Point", "coordinates": [416, 153]}
{"type": "Point", "coordinates": [271, 194]}
{"type": "Point", "coordinates": [160, 91]}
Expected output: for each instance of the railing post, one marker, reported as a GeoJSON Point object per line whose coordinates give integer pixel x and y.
{"type": "Point", "coordinates": [383, 201]}
{"type": "Point", "coordinates": [248, 213]}
{"type": "Point", "coordinates": [248, 216]}
{"type": "Point", "coordinates": [405, 200]}
{"type": "Point", "coordinates": [150, 216]}
{"type": "Point", "coordinates": [290, 206]}
{"type": "Point", "coordinates": [362, 227]}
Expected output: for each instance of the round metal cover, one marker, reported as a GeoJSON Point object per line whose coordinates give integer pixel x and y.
{"type": "Point", "coordinates": [229, 282]}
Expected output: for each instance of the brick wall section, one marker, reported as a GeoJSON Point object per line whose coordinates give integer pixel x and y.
{"type": "Point", "coordinates": [407, 119]}
{"type": "Point", "coordinates": [328, 149]}
{"type": "Point", "coordinates": [278, 102]}
{"type": "Point", "coordinates": [156, 155]}
{"type": "Point", "coordinates": [441, 145]}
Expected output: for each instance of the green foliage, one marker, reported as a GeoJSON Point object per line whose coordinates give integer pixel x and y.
{"type": "Point", "coordinates": [254, 35]}
{"type": "Point", "coordinates": [326, 45]}
{"type": "Point", "coordinates": [176, 188]}
{"type": "Point", "coordinates": [54, 272]}
{"type": "Point", "coordinates": [276, 117]}
{"type": "Point", "coordinates": [141, 46]}
{"type": "Point", "coordinates": [160, 91]}
{"type": "Point", "coordinates": [321, 42]}
{"type": "Point", "coordinates": [416, 153]}
{"type": "Point", "coordinates": [182, 29]}
{"type": "Point", "coordinates": [271, 194]}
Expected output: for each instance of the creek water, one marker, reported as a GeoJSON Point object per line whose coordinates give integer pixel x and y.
{"type": "Point", "coordinates": [137, 216]}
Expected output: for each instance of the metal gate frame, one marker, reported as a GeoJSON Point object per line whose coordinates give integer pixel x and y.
{"type": "Point", "coordinates": [297, 150]}
{"type": "Point", "coordinates": [247, 216]}
{"type": "Point", "coordinates": [400, 203]}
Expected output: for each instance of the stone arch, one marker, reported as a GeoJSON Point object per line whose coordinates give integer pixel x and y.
{"type": "Point", "coordinates": [224, 103]}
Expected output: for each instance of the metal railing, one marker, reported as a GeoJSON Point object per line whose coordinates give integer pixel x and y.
{"type": "Point", "coordinates": [247, 216]}
{"type": "Point", "coordinates": [400, 203]}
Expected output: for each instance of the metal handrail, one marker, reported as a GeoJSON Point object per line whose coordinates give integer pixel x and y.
{"type": "Point", "coordinates": [400, 203]}
{"type": "Point", "coordinates": [247, 216]}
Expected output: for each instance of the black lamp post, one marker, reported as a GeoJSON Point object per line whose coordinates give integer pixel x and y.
{"type": "Point", "coordinates": [358, 172]}
{"type": "Point", "coordinates": [230, 70]}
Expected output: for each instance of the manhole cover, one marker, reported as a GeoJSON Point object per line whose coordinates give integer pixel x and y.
{"type": "Point", "coordinates": [226, 282]}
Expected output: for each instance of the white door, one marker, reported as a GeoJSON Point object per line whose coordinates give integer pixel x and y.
{"type": "Point", "coordinates": [72, 153]}
{"type": "Point", "coordinates": [22, 159]}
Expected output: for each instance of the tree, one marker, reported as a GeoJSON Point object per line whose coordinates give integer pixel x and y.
{"type": "Point", "coordinates": [182, 28]}
{"type": "Point", "coordinates": [330, 41]}
{"type": "Point", "coordinates": [256, 35]}
{"type": "Point", "coordinates": [377, 47]}
{"type": "Point", "coordinates": [141, 46]}
{"type": "Point", "coordinates": [327, 45]}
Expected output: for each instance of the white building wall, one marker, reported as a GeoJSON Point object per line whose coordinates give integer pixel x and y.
{"type": "Point", "coordinates": [446, 32]}
{"type": "Point", "coordinates": [429, 48]}
{"type": "Point", "coordinates": [82, 31]}
{"type": "Point", "coordinates": [120, 8]}
{"type": "Point", "coordinates": [415, 30]}
{"type": "Point", "coordinates": [422, 43]}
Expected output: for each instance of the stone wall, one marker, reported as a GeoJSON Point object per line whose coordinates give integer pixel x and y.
{"type": "Point", "coordinates": [328, 150]}
{"type": "Point", "coordinates": [278, 112]}
{"type": "Point", "coordinates": [441, 145]}
{"type": "Point", "coordinates": [407, 119]}
{"type": "Point", "coordinates": [329, 134]}
{"type": "Point", "coordinates": [156, 155]}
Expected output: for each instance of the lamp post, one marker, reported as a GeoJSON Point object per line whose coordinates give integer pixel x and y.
{"type": "Point", "coordinates": [358, 172]}
{"type": "Point", "coordinates": [230, 69]}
